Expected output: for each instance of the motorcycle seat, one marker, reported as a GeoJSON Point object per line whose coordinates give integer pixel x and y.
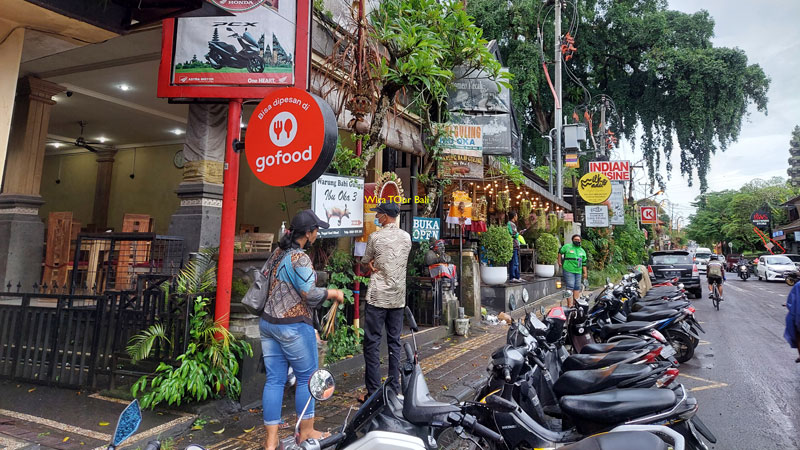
{"type": "Point", "coordinates": [624, 345]}
{"type": "Point", "coordinates": [594, 361]}
{"type": "Point", "coordinates": [227, 47]}
{"type": "Point", "coordinates": [652, 316]}
{"type": "Point", "coordinates": [579, 382]}
{"type": "Point", "coordinates": [418, 406]}
{"type": "Point", "coordinates": [669, 297]}
{"type": "Point", "coordinates": [621, 440]}
{"type": "Point", "coordinates": [639, 306]}
{"type": "Point", "coordinates": [617, 406]}
{"type": "Point", "coordinates": [620, 328]}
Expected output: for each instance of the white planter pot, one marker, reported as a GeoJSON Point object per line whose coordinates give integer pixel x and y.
{"type": "Point", "coordinates": [545, 270]}
{"type": "Point", "coordinates": [494, 275]}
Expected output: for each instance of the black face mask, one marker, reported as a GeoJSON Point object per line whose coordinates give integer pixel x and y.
{"type": "Point", "coordinates": [576, 243]}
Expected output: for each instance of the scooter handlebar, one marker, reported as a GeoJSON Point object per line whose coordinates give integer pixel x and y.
{"type": "Point", "coordinates": [470, 423]}
{"type": "Point", "coordinates": [409, 352]}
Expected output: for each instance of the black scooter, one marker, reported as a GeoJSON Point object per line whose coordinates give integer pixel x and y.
{"type": "Point", "coordinates": [744, 273]}
{"type": "Point", "coordinates": [251, 56]}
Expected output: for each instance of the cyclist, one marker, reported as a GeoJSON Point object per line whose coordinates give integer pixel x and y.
{"type": "Point", "coordinates": [715, 272]}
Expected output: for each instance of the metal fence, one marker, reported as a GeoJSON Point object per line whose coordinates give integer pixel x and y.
{"type": "Point", "coordinates": [425, 300]}
{"type": "Point", "coordinates": [75, 340]}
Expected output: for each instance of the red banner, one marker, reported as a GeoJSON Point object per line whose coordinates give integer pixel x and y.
{"type": "Point", "coordinates": [614, 170]}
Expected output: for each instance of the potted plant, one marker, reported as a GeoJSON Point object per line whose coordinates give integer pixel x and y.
{"type": "Point", "coordinates": [497, 249]}
{"type": "Point", "coordinates": [546, 255]}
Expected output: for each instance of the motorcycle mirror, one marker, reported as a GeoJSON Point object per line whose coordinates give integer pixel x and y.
{"type": "Point", "coordinates": [128, 423]}
{"type": "Point", "coordinates": [566, 294]}
{"type": "Point", "coordinates": [321, 384]}
{"type": "Point", "coordinates": [412, 323]}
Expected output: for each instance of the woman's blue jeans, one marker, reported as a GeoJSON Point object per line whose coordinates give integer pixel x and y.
{"type": "Point", "coordinates": [283, 345]}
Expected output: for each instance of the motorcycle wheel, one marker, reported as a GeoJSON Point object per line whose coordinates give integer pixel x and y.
{"type": "Point", "coordinates": [791, 281]}
{"type": "Point", "coordinates": [255, 65]}
{"type": "Point", "coordinates": [682, 343]}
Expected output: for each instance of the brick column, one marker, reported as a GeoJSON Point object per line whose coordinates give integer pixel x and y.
{"type": "Point", "coordinates": [21, 230]}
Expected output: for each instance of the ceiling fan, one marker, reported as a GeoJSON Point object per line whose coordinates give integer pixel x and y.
{"type": "Point", "coordinates": [80, 141]}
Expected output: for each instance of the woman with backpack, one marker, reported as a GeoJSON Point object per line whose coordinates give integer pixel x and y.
{"type": "Point", "coordinates": [287, 332]}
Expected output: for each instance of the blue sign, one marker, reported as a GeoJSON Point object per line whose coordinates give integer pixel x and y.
{"type": "Point", "coordinates": [777, 233]}
{"type": "Point", "coordinates": [425, 229]}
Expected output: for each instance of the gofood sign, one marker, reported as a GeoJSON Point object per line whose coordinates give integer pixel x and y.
{"type": "Point", "coordinates": [291, 138]}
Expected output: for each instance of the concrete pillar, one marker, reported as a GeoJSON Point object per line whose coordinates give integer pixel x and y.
{"type": "Point", "coordinates": [21, 230]}
{"type": "Point", "coordinates": [102, 188]}
{"type": "Point", "coordinates": [10, 55]}
{"type": "Point", "coordinates": [199, 215]}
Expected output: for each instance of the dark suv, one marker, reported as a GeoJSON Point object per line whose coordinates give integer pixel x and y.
{"type": "Point", "coordinates": [668, 264]}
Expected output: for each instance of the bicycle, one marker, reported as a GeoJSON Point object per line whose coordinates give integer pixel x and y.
{"type": "Point", "coordinates": [715, 294]}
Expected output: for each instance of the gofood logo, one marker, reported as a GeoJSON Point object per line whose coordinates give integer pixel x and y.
{"type": "Point", "coordinates": [282, 131]}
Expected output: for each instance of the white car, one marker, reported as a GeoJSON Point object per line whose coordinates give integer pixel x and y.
{"type": "Point", "coordinates": [772, 267]}
{"type": "Point", "coordinates": [701, 257]}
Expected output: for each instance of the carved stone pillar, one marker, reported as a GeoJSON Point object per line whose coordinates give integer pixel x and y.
{"type": "Point", "coordinates": [21, 230]}
{"type": "Point", "coordinates": [199, 215]}
{"type": "Point", "coordinates": [102, 188]}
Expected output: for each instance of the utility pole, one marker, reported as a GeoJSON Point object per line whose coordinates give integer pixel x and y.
{"type": "Point", "coordinates": [603, 147]}
{"type": "Point", "coordinates": [558, 113]}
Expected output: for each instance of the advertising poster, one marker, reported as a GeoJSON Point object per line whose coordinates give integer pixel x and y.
{"type": "Point", "coordinates": [617, 201]}
{"type": "Point", "coordinates": [339, 201]}
{"type": "Point", "coordinates": [649, 214]}
{"type": "Point", "coordinates": [571, 160]}
{"type": "Point", "coordinates": [594, 187]}
{"type": "Point", "coordinates": [425, 229]}
{"type": "Point", "coordinates": [462, 156]}
{"type": "Point", "coordinates": [614, 170]}
{"type": "Point", "coordinates": [760, 219]}
{"type": "Point", "coordinates": [597, 216]}
{"type": "Point", "coordinates": [255, 47]}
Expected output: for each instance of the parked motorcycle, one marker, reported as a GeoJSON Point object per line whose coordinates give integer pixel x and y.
{"type": "Point", "coordinates": [791, 277]}
{"type": "Point", "coordinates": [744, 273]}
{"type": "Point", "coordinates": [251, 56]}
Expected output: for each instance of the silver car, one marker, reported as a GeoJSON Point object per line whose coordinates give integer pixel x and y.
{"type": "Point", "coordinates": [772, 267]}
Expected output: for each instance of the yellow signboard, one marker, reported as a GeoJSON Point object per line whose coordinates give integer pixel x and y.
{"type": "Point", "coordinates": [594, 187]}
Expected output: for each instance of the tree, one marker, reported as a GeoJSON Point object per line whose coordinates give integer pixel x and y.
{"type": "Point", "coordinates": [411, 49]}
{"type": "Point", "coordinates": [725, 216]}
{"type": "Point", "coordinates": [659, 66]}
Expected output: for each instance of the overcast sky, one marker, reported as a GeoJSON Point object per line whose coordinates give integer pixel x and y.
{"type": "Point", "coordinates": [769, 33]}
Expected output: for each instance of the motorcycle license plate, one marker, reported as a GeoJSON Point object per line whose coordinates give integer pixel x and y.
{"type": "Point", "coordinates": [672, 274]}
{"type": "Point", "coordinates": [667, 351]}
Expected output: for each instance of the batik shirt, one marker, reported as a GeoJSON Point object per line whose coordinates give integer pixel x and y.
{"type": "Point", "coordinates": [388, 249]}
{"type": "Point", "coordinates": [293, 294]}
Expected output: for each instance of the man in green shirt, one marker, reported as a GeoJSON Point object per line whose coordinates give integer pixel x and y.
{"type": "Point", "coordinates": [572, 259]}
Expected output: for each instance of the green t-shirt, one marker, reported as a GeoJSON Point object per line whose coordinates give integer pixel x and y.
{"type": "Point", "coordinates": [574, 258]}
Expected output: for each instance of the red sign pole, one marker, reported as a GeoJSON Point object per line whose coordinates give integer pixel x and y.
{"type": "Point", "coordinates": [230, 193]}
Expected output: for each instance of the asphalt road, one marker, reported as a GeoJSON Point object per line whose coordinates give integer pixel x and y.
{"type": "Point", "coordinates": [743, 373]}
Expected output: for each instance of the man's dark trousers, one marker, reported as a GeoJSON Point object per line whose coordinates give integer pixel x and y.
{"type": "Point", "coordinates": [374, 320]}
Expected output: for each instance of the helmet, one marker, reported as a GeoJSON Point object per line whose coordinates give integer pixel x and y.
{"type": "Point", "coordinates": [714, 257]}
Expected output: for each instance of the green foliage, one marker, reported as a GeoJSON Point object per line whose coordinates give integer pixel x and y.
{"type": "Point", "coordinates": [547, 249]}
{"type": "Point", "coordinates": [630, 247]}
{"type": "Point", "coordinates": [346, 339]}
{"type": "Point", "coordinates": [239, 288]}
{"type": "Point", "coordinates": [659, 66]}
{"type": "Point", "coordinates": [141, 345]}
{"type": "Point", "coordinates": [497, 246]}
{"type": "Point", "coordinates": [416, 264]}
{"type": "Point", "coordinates": [199, 274]}
{"type": "Point", "coordinates": [346, 162]}
{"type": "Point", "coordinates": [597, 278]}
{"type": "Point", "coordinates": [602, 241]}
{"type": "Point", "coordinates": [508, 171]}
{"type": "Point", "coordinates": [725, 215]}
{"type": "Point", "coordinates": [567, 173]}
{"type": "Point", "coordinates": [208, 368]}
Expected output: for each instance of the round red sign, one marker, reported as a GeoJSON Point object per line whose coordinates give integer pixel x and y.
{"type": "Point", "coordinates": [291, 138]}
{"type": "Point", "coordinates": [237, 5]}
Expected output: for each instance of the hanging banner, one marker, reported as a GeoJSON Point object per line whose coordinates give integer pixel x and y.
{"type": "Point", "coordinates": [614, 170]}
{"type": "Point", "coordinates": [291, 138]}
{"type": "Point", "coordinates": [760, 219]}
{"type": "Point", "coordinates": [571, 160]}
{"type": "Point", "coordinates": [597, 216]}
{"type": "Point", "coordinates": [617, 204]}
{"type": "Point", "coordinates": [462, 151]}
{"type": "Point", "coordinates": [425, 229]}
{"type": "Point", "coordinates": [263, 44]}
{"type": "Point", "coordinates": [339, 201]}
{"type": "Point", "coordinates": [649, 214]}
{"type": "Point", "coordinates": [594, 187]}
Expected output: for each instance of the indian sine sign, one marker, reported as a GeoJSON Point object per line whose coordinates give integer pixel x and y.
{"type": "Point", "coordinates": [594, 187]}
{"type": "Point", "coordinates": [291, 138]}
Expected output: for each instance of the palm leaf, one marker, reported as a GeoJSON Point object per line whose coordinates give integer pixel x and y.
{"type": "Point", "coordinates": [140, 346]}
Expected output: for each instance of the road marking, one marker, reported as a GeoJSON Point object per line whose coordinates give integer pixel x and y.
{"type": "Point", "coordinates": [735, 288]}
{"type": "Point", "coordinates": [712, 385]}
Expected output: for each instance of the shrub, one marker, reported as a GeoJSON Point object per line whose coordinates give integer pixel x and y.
{"type": "Point", "coordinates": [547, 249]}
{"type": "Point", "coordinates": [498, 246]}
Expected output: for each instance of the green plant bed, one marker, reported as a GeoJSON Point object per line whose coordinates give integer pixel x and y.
{"type": "Point", "coordinates": [597, 278]}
